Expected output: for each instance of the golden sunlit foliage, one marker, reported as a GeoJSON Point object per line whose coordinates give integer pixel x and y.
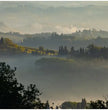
{"type": "Point", "coordinates": [7, 45]}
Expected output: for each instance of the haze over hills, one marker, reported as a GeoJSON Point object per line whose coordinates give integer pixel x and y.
{"type": "Point", "coordinates": [67, 17]}
{"type": "Point", "coordinates": [54, 40]}
{"type": "Point", "coordinates": [77, 39]}
{"type": "Point", "coordinates": [14, 36]}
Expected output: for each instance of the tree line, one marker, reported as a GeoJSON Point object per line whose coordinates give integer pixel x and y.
{"type": "Point", "coordinates": [98, 104]}
{"type": "Point", "coordinates": [8, 47]}
{"type": "Point", "coordinates": [91, 50]}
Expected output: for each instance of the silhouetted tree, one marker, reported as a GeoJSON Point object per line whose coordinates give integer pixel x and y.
{"type": "Point", "coordinates": [72, 51]}
{"type": "Point", "coordinates": [63, 50]}
{"type": "Point", "coordinates": [99, 104]}
{"type": "Point", "coordinates": [81, 51]}
{"type": "Point", "coordinates": [13, 94]}
{"type": "Point", "coordinates": [1, 40]}
{"type": "Point", "coordinates": [83, 103]}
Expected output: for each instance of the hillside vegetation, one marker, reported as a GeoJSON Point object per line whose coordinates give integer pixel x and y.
{"type": "Point", "coordinates": [77, 39]}
{"type": "Point", "coordinates": [8, 47]}
{"type": "Point", "coordinates": [54, 40]}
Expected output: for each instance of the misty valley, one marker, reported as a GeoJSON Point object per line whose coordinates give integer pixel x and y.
{"type": "Point", "coordinates": [61, 75]}
{"type": "Point", "coordinates": [53, 55]}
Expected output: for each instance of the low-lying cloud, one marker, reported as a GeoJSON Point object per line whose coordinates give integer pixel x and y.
{"type": "Point", "coordinates": [44, 27]}
{"type": "Point", "coordinates": [68, 29]}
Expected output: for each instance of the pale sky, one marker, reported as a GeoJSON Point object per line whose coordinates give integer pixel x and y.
{"type": "Point", "coordinates": [61, 17]}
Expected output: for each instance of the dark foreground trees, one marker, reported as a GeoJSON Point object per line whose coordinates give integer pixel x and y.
{"type": "Point", "coordinates": [99, 104]}
{"type": "Point", "coordinates": [14, 95]}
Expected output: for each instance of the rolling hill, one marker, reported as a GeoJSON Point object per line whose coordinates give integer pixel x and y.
{"type": "Point", "coordinates": [7, 47]}
{"type": "Point", "coordinates": [54, 40]}
{"type": "Point", "coordinates": [77, 39]}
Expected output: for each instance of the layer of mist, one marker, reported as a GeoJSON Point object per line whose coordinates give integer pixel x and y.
{"type": "Point", "coordinates": [62, 79]}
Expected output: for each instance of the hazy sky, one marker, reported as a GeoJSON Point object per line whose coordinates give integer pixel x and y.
{"type": "Point", "coordinates": [61, 17]}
